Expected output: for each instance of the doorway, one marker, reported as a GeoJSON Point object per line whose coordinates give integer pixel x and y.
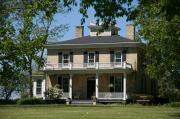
{"type": "Point", "coordinates": [90, 87]}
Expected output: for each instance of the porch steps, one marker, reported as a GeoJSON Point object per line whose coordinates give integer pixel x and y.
{"type": "Point", "coordinates": [82, 102]}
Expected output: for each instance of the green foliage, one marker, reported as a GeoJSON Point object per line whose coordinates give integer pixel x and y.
{"type": "Point", "coordinates": [105, 10]}
{"type": "Point", "coordinates": [54, 93]}
{"type": "Point", "coordinates": [30, 101]}
{"type": "Point", "coordinates": [25, 26]}
{"type": "Point", "coordinates": [161, 33]}
{"type": "Point", "coordinates": [7, 102]}
{"type": "Point", "coordinates": [173, 104]}
{"type": "Point", "coordinates": [36, 101]}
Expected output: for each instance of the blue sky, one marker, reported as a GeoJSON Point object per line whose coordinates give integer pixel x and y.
{"type": "Point", "coordinates": [73, 19]}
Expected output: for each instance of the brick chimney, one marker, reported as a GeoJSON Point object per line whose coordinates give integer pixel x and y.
{"type": "Point", "coordinates": [130, 31]}
{"type": "Point", "coordinates": [79, 31]}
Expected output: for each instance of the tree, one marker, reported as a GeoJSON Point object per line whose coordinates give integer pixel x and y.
{"type": "Point", "coordinates": [35, 15]}
{"type": "Point", "coordinates": [31, 23]}
{"type": "Point", "coordinates": [10, 72]}
{"type": "Point", "coordinates": [105, 10]}
{"type": "Point", "coordinates": [160, 28]}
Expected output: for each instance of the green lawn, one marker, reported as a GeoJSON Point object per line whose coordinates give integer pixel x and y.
{"type": "Point", "coordinates": [88, 112]}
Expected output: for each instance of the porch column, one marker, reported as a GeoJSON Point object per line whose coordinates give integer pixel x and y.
{"type": "Point", "coordinates": [70, 86]}
{"type": "Point", "coordinates": [124, 87]}
{"type": "Point", "coordinates": [97, 79]}
{"type": "Point", "coordinates": [43, 88]}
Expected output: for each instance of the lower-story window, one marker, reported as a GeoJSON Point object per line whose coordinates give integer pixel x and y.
{"type": "Point", "coordinates": [64, 83]}
{"type": "Point", "coordinates": [38, 87]}
{"type": "Point", "coordinates": [116, 84]}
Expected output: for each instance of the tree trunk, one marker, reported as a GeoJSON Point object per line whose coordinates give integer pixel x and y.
{"type": "Point", "coordinates": [30, 78]}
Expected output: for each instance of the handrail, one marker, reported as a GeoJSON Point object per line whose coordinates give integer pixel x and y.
{"type": "Point", "coordinates": [97, 65]}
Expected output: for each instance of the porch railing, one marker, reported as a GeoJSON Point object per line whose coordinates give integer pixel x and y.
{"type": "Point", "coordinates": [97, 65]}
{"type": "Point", "coordinates": [110, 95]}
{"type": "Point", "coordinates": [65, 95]}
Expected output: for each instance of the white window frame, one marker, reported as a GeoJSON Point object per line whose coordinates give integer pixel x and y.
{"type": "Point", "coordinates": [38, 87]}
{"type": "Point", "coordinates": [89, 64]}
{"type": "Point", "coordinates": [117, 63]}
{"type": "Point", "coordinates": [65, 64]}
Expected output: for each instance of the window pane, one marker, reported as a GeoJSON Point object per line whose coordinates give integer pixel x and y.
{"type": "Point", "coordinates": [118, 55]}
{"type": "Point", "coordinates": [38, 86]}
{"type": "Point", "coordinates": [118, 60]}
{"type": "Point", "coordinates": [118, 84]}
{"type": "Point", "coordinates": [66, 61]}
{"type": "Point", "coordinates": [39, 82]}
{"type": "Point", "coordinates": [91, 58]}
{"type": "Point", "coordinates": [66, 56]}
{"type": "Point", "coordinates": [91, 55]}
{"type": "Point", "coordinates": [38, 91]}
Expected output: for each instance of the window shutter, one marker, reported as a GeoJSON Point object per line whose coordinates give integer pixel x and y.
{"type": "Point", "coordinates": [85, 57]}
{"type": "Point", "coordinates": [124, 55]}
{"type": "Point", "coordinates": [112, 56]}
{"type": "Point", "coordinates": [97, 56]}
{"type": "Point", "coordinates": [60, 57]}
{"type": "Point", "coordinates": [111, 88]}
{"type": "Point", "coordinates": [71, 57]}
{"type": "Point", "coordinates": [60, 82]}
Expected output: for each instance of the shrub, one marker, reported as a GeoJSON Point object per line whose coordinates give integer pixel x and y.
{"type": "Point", "coordinates": [7, 102]}
{"type": "Point", "coordinates": [30, 101]}
{"type": "Point", "coordinates": [56, 101]}
{"type": "Point", "coordinates": [160, 100]}
{"type": "Point", "coordinates": [174, 104]}
{"type": "Point", "coordinates": [54, 93]}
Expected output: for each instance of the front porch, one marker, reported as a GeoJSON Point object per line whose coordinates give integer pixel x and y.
{"type": "Point", "coordinates": [102, 86]}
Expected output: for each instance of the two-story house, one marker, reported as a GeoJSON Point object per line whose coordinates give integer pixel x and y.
{"type": "Point", "coordinates": [104, 65]}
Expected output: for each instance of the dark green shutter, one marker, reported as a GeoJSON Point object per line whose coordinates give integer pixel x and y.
{"type": "Point", "coordinates": [97, 56]}
{"type": "Point", "coordinates": [85, 57]}
{"type": "Point", "coordinates": [111, 83]}
{"type": "Point", "coordinates": [71, 57]}
{"type": "Point", "coordinates": [124, 55]}
{"type": "Point", "coordinates": [112, 56]}
{"type": "Point", "coordinates": [60, 82]}
{"type": "Point", "coordinates": [60, 57]}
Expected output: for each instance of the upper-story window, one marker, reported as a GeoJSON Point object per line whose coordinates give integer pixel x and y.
{"type": "Point", "coordinates": [65, 59]}
{"type": "Point", "coordinates": [118, 57]}
{"type": "Point", "coordinates": [91, 58]}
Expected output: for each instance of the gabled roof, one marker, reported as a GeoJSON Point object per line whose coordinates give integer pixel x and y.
{"type": "Point", "coordinates": [92, 41]}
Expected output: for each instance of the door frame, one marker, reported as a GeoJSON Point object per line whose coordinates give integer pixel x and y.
{"type": "Point", "coordinates": [90, 78]}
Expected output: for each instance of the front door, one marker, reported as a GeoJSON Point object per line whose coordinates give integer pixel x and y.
{"type": "Point", "coordinates": [90, 88]}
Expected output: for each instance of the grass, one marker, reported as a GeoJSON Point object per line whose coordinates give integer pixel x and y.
{"type": "Point", "coordinates": [88, 112]}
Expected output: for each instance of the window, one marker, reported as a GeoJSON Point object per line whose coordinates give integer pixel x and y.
{"type": "Point", "coordinates": [118, 58]}
{"type": "Point", "coordinates": [66, 59]}
{"type": "Point", "coordinates": [38, 87]}
{"type": "Point", "coordinates": [116, 84]}
{"type": "Point", "coordinates": [64, 83]}
{"type": "Point", "coordinates": [91, 58]}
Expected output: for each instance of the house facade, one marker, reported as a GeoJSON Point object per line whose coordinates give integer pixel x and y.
{"type": "Point", "coordinates": [104, 65]}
